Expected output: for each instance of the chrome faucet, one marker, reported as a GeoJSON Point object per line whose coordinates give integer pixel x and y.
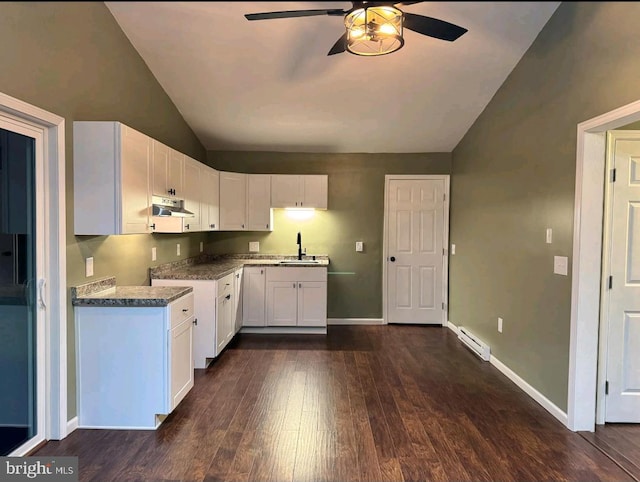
{"type": "Point", "coordinates": [299, 241]}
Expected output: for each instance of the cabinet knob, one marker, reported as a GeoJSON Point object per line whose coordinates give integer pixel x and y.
{"type": "Point", "coordinates": [195, 321]}
{"type": "Point", "coordinates": [212, 226]}
{"type": "Point", "coordinates": [243, 226]}
{"type": "Point", "coordinates": [392, 259]}
{"type": "Point", "coordinates": [153, 226]}
{"type": "Point", "coordinates": [228, 297]}
{"type": "Point", "coordinates": [186, 226]}
{"type": "Point", "coordinates": [267, 226]}
{"type": "Point", "coordinates": [184, 310]}
{"type": "Point", "coordinates": [261, 271]}
{"type": "Point", "coordinates": [299, 285]}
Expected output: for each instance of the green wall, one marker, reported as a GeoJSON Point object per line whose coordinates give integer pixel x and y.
{"type": "Point", "coordinates": [514, 176]}
{"type": "Point", "coordinates": [72, 59]}
{"type": "Point", "coordinates": [356, 210]}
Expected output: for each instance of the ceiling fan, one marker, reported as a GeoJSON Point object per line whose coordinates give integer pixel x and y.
{"type": "Point", "coordinates": [374, 28]}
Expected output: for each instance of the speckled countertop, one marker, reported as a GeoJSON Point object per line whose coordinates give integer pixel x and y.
{"type": "Point", "coordinates": [210, 267]}
{"type": "Point", "coordinates": [104, 292]}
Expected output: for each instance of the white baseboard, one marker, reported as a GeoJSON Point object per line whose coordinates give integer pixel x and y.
{"type": "Point", "coordinates": [284, 330]}
{"type": "Point", "coordinates": [72, 425]}
{"type": "Point", "coordinates": [547, 404]}
{"type": "Point", "coordinates": [453, 327]}
{"type": "Point", "coordinates": [355, 321]}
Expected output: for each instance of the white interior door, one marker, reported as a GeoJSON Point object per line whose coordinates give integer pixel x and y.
{"type": "Point", "coordinates": [415, 254]}
{"type": "Point", "coordinates": [622, 402]}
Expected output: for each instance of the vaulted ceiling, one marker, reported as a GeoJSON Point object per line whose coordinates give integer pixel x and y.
{"type": "Point", "coordinates": [269, 84]}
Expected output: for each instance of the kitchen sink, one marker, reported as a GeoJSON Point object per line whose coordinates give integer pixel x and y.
{"type": "Point", "coordinates": [299, 261]}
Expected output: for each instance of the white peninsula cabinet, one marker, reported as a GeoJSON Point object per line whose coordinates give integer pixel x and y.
{"type": "Point", "coordinates": [296, 297]}
{"type": "Point", "coordinates": [301, 191]}
{"type": "Point", "coordinates": [135, 364]}
{"type": "Point", "coordinates": [111, 177]}
{"type": "Point", "coordinates": [214, 303]}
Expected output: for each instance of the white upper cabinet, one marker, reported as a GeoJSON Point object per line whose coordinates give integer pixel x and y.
{"type": "Point", "coordinates": [211, 199]}
{"type": "Point", "coordinates": [167, 171]}
{"type": "Point", "coordinates": [193, 193]}
{"type": "Point", "coordinates": [259, 214]}
{"type": "Point", "coordinates": [111, 169]}
{"type": "Point", "coordinates": [301, 191]}
{"type": "Point", "coordinates": [233, 201]}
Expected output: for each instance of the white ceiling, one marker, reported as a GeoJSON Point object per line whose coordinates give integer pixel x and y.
{"type": "Point", "coordinates": [269, 84]}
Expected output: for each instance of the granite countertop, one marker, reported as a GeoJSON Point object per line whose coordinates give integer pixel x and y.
{"type": "Point", "coordinates": [208, 267]}
{"type": "Point", "coordinates": [104, 292]}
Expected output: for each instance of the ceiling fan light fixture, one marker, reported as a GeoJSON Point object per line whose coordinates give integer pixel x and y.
{"type": "Point", "coordinates": [375, 30]}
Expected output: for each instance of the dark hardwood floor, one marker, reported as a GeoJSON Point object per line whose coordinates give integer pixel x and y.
{"type": "Point", "coordinates": [621, 442]}
{"type": "Point", "coordinates": [363, 403]}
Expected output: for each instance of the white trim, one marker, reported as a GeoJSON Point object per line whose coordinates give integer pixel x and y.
{"type": "Point", "coordinates": [53, 129]}
{"type": "Point", "coordinates": [72, 425]}
{"type": "Point", "coordinates": [453, 328]}
{"type": "Point", "coordinates": [355, 321]}
{"type": "Point", "coordinates": [445, 239]}
{"type": "Point", "coordinates": [284, 330]}
{"type": "Point", "coordinates": [587, 250]}
{"type": "Point", "coordinates": [547, 404]}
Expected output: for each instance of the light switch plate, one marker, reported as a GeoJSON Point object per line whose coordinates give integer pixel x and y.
{"type": "Point", "coordinates": [453, 249]}
{"type": "Point", "coordinates": [549, 235]}
{"type": "Point", "coordinates": [359, 246]}
{"type": "Point", "coordinates": [154, 254]}
{"type": "Point", "coordinates": [499, 325]}
{"type": "Point", "coordinates": [201, 246]}
{"type": "Point", "coordinates": [178, 249]}
{"type": "Point", "coordinates": [88, 267]}
{"type": "Point", "coordinates": [561, 265]}
{"type": "Point", "coordinates": [254, 246]}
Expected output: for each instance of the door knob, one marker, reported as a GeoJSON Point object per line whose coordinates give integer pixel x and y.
{"type": "Point", "coordinates": [392, 259]}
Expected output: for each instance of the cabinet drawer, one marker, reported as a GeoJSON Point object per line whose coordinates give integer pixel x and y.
{"type": "Point", "coordinates": [181, 309]}
{"type": "Point", "coordinates": [296, 274]}
{"type": "Point", "coordinates": [225, 285]}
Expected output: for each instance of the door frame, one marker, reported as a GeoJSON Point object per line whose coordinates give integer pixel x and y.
{"type": "Point", "coordinates": [588, 218]}
{"type": "Point", "coordinates": [52, 128]}
{"type": "Point", "coordinates": [445, 239]}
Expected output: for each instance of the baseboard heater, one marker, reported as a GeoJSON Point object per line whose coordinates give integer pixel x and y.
{"type": "Point", "coordinates": [476, 345]}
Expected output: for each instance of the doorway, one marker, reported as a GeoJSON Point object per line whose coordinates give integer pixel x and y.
{"type": "Point", "coordinates": [415, 263]}
{"type": "Point", "coordinates": [33, 321]}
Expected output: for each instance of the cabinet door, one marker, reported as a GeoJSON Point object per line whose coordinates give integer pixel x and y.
{"type": "Point", "coordinates": [223, 321]}
{"type": "Point", "coordinates": [253, 297]}
{"type": "Point", "coordinates": [259, 202]}
{"type": "Point", "coordinates": [237, 304]}
{"type": "Point", "coordinates": [135, 169]}
{"type": "Point", "coordinates": [285, 191]}
{"type": "Point", "coordinates": [181, 363]}
{"type": "Point", "coordinates": [282, 303]}
{"type": "Point", "coordinates": [175, 174]}
{"type": "Point", "coordinates": [312, 303]}
{"type": "Point", "coordinates": [192, 193]}
{"type": "Point", "coordinates": [233, 201]}
{"type": "Point", "coordinates": [160, 156]}
{"type": "Point", "coordinates": [211, 196]}
{"type": "Point", "coordinates": [315, 191]}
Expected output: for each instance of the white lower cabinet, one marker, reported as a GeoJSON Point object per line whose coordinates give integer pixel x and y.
{"type": "Point", "coordinates": [134, 364]}
{"type": "Point", "coordinates": [214, 318]}
{"type": "Point", "coordinates": [253, 296]}
{"type": "Point", "coordinates": [296, 297]}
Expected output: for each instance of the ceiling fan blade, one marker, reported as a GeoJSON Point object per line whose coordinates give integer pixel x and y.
{"type": "Point", "coordinates": [292, 13]}
{"type": "Point", "coordinates": [340, 46]}
{"type": "Point", "coordinates": [433, 27]}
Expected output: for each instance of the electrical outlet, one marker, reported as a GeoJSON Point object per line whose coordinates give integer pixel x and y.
{"type": "Point", "coordinates": [549, 235]}
{"type": "Point", "coordinates": [178, 249]}
{"type": "Point", "coordinates": [254, 246]}
{"type": "Point", "coordinates": [500, 325]}
{"type": "Point", "coordinates": [154, 254]}
{"type": "Point", "coordinates": [561, 265]}
{"type": "Point", "coordinates": [359, 246]}
{"type": "Point", "coordinates": [201, 246]}
{"type": "Point", "coordinates": [453, 249]}
{"type": "Point", "coordinates": [88, 267]}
